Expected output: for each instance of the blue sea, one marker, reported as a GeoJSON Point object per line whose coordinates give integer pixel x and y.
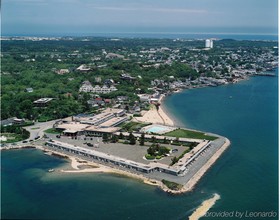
{"type": "Point", "coordinates": [162, 35]}
{"type": "Point", "coordinates": [246, 176]}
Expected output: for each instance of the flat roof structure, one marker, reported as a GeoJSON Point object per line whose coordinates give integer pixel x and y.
{"type": "Point", "coordinates": [72, 126]}
{"type": "Point", "coordinates": [43, 100]}
{"type": "Point", "coordinates": [113, 110]}
{"type": "Point", "coordinates": [113, 122]}
{"type": "Point", "coordinates": [102, 130]}
{"type": "Point", "coordinates": [97, 119]}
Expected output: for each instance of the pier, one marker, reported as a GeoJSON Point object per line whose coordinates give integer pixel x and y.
{"type": "Point", "coordinates": [264, 74]}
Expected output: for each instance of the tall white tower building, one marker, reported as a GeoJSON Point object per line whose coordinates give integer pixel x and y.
{"type": "Point", "coordinates": [209, 43]}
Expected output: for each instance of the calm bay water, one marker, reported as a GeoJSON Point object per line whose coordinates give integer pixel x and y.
{"type": "Point", "coordinates": [246, 177]}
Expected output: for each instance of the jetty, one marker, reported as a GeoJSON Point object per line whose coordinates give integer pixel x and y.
{"type": "Point", "coordinates": [265, 74]}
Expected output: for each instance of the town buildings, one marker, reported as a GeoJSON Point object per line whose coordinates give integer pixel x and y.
{"type": "Point", "coordinates": [87, 87]}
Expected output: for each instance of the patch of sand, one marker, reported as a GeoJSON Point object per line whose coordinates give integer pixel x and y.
{"type": "Point", "coordinates": [204, 207]}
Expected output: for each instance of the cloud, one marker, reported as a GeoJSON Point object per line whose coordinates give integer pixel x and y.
{"type": "Point", "coordinates": [165, 10]}
{"type": "Point", "coordinates": [28, 1]}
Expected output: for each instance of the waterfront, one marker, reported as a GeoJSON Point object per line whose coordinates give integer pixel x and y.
{"type": "Point", "coordinates": [245, 176]}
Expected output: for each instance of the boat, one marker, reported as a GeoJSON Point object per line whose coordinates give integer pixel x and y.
{"type": "Point", "coordinates": [51, 170]}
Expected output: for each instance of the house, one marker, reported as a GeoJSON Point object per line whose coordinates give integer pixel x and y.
{"type": "Point", "coordinates": [95, 103]}
{"type": "Point", "coordinates": [114, 55]}
{"type": "Point", "coordinates": [28, 90]}
{"type": "Point", "coordinates": [62, 71]}
{"type": "Point", "coordinates": [7, 122]}
{"type": "Point", "coordinates": [122, 99]}
{"type": "Point", "coordinates": [137, 109]}
{"type": "Point", "coordinates": [19, 121]}
{"type": "Point", "coordinates": [83, 68]}
{"type": "Point", "coordinates": [86, 87]}
{"type": "Point", "coordinates": [109, 82]}
{"type": "Point", "coordinates": [104, 89]}
{"type": "Point", "coordinates": [126, 76]}
{"type": "Point", "coordinates": [99, 101]}
{"type": "Point", "coordinates": [144, 97]}
{"type": "Point", "coordinates": [108, 101]}
{"type": "Point", "coordinates": [43, 102]}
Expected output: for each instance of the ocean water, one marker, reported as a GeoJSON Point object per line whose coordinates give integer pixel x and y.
{"type": "Point", "coordinates": [161, 35]}
{"type": "Point", "coordinates": [246, 176]}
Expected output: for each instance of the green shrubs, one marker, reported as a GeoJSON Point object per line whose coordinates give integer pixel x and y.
{"type": "Point", "coordinates": [52, 131]}
{"type": "Point", "coordinates": [172, 185]}
{"type": "Point", "coordinates": [149, 157]}
{"type": "Point", "coordinates": [155, 151]}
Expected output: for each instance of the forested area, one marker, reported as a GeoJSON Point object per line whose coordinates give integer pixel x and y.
{"type": "Point", "coordinates": [34, 64]}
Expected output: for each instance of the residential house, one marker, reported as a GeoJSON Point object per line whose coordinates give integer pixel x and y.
{"type": "Point", "coordinates": [28, 90]}
{"type": "Point", "coordinates": [86, 87]}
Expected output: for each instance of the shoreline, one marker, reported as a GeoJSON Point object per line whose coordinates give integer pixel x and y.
{"type": "Point", "coordinates": [76, 163]}
{"type": "Point", "coordinates": [162, 116]}
{"type": "Point", "coordinates": [163, 107]}
{"type": "Point", "coordinates": [155, 116]}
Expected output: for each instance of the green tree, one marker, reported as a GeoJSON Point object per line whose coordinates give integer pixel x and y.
{"type": "Point", "coordinates": [151, 150]}
{"type": "Point", "coordinates": [142, 139]}
{"type": "Point", "coordinates": [105, 137]}
{"type": "Point", "coordinates": [153, 139]}
{"type": "Point", "coordinates": [132, 139]}
{"type": "Point", "coordinates": [174, 160]}
{"type": "Point", "coordinates": [121, 136]}
{"type": "Point", "coordinates": [114, 139]}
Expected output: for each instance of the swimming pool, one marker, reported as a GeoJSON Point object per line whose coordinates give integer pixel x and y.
{"type": "Point", "coordinates": [156, 129]}
{"type": "Point", "coordinates": [159, 129]}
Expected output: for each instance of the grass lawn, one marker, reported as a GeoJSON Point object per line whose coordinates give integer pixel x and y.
{"type": "Point", "coordinates": [11, 137]}
{"type": "Point", "coordinates": [44, 119]}
{"type": "Point", "coordinates": [51, 131]}
{"type": "Point", "coordinates": [132, 126]}
{"type": "Point", "coordinates": [182, 133]}
{"type": "Point", "coordinates": [36, 128]}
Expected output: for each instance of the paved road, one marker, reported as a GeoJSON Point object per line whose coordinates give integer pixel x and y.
{"type": "Point", "coordinates": [36, 130]}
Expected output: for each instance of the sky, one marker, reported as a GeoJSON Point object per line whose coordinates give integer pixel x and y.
{"type": "Point", "coordinates": [19, 17]}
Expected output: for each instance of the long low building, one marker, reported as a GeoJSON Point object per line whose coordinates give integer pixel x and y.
{"type": "Point", "coordinates": [149, 136]}
{"type": "Point", "coordinates": [107, 158]}
{"type": "Point", "coordinates": [122, 162]}
{"type": "Point", "coordinates": [76, 128]}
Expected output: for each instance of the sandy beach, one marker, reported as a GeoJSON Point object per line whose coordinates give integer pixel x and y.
{"type": "Point", "coordinates": [204, 207]}
{"type": "Point", "coordinates": [156, 116]}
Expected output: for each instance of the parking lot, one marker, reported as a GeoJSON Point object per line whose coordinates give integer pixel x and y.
{"type": "Point", "coordinates": [127, 151]}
